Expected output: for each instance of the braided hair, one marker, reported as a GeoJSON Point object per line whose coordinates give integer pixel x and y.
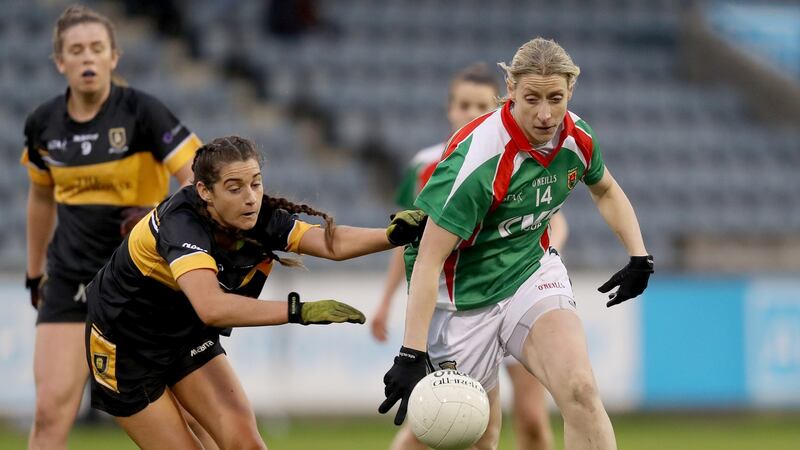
{"type": "Point", "coordinates": [211, 157]}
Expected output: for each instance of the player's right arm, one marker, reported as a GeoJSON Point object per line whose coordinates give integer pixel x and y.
{"type": "Point", "coordinates": [436, 245]}
{"type": "Point", "coordinates": [219, 309]}
{"type": "Point", "coordinates": [41, 220]}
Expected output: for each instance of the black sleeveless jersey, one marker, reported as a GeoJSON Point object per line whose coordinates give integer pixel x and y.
{"type": "Point", "coordinates": [135, 296]}
{"type": "Point", "coordinates": [120, 158]}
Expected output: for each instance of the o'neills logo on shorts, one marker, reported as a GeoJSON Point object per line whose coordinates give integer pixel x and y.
{"type": "Point", "coordinates": [556, 285]}
{"type": "Point", "coordinates": [201, 348]}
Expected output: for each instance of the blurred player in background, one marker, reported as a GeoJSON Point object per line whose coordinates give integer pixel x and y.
{"type": "Point", "coordinates": [501, 179]}
{"type": "Point", "coordinates": [98, 156]}
{"type": "Point", "coordinates": [194, 267]}
{"type": "Point", "coordinates": [473, 92]}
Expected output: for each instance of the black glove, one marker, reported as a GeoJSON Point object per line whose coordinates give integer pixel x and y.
{"type": "Point", "coordinates": [34, 285]}
{"type": "Point", "coordinates": [130, 217]}
{"type": "Point", "coordinates": [632, 280]}
{"type": "Point", "coordinates": [409, 367]}
{"type": "Point", "coordinates": [322, 312]}
{"type": "Point", "coordinates": [406, 227]}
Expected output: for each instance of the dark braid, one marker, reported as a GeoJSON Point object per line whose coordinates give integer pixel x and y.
{"type": "Point", "coordinates": [294, 208]}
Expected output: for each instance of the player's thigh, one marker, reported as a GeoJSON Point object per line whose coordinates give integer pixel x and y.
{"type": "Point", "coordinates": [468, 341]}
{"type": "Point", "coordinates": [160, 425]}
{"type": "Point", "coordinates": [215, 397]}
{"type": "Point", "coordinates": [59, 349]}
{"type": "Point", "coordinates": [555, 352]}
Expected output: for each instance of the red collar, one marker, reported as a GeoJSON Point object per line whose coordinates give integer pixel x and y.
{"type": "Point", "coordinates": [521, 142]}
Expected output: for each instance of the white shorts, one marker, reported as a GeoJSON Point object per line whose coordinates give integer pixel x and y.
{"type": "Point", "coordinates": [477, 340]}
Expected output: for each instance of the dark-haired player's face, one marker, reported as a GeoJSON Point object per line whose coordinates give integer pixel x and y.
{"type": "Point", "coordinates": [468, 101]}
{"type": "Point", "coordinates": [235, 199]}
{"type": "Point", "coordinates": [87, 59]}
{"type": "Point", "coordinates": [540, 104]}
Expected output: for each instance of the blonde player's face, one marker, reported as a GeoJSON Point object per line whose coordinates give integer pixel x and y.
{"type": "Point", "coordinates": [540, 103]}
{"type": "Point", "coordinates": [469, 100]}
{"type": "Point", "coordinates": [235, 200]}
{"type": "Point", "coordinates": [87, 59]}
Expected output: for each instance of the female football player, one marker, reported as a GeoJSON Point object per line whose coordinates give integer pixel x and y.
{"type": "Point", "coordinates": [97, 155]}
{"type": "Point", "coordinates": [191, 269]}
{"type": "Point", "coordinates": [502, 177]}
{"type": "Point", "coordinates": [473, 92]}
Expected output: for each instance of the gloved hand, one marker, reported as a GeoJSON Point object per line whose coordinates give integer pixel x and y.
{"type": "Point", "coordinates": [406, 226]}
{"type": "Point", "coordinates": [130, 217]}
{"type": "Point", "coordinates": [322, 312]}
{"type": "Point", "coordinates": [34, 285]}
{"type": "Point", "coordinates": [409, 367]}
{"type": "Point", "coordinates": [632, 280]}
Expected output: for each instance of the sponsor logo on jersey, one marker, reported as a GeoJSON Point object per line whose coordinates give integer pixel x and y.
{"type": "Point", "coordinates": [193, 247]}
{"type": "Point", "coordinates": [85, 137]}
{"type": "Point", "coordinates": [553, 285]}
{"type": "Point", "coordinates": [117, 139]}
{"type": "Point", "coordinates": [201, 348]}
{"type": "Point", "coordinates": [528, 222]}
{"type": "Point", "coordinates": [57, 144]}
{"type": "Point", "coordinates": [572, 178]}
{"type": "Point", "coordinates": [100, 363]}
{"type": "Point", "coordinates": [516, 197]}
{"type": "Point", "coordinates": [170, 135]}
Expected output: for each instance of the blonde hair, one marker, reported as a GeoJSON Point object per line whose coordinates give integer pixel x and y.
{"type": "Point", "coordinates": [543, 57]}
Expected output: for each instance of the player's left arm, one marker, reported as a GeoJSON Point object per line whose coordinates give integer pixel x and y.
{"type": "Point", "coordinates": [348, 242]}
{"type": "Point", "coordinates": [618, 213]}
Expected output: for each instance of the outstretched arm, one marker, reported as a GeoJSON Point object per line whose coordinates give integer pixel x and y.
{"type": "Point", "coordinates": [348, 242]}
{"type": "Point", "coordinates": [223, 310]}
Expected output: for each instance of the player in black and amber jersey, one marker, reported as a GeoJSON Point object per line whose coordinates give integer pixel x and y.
{"type": "Point", "coordinates": [97, 155]}
{"type": "Point", "coordinates": [191, 269]}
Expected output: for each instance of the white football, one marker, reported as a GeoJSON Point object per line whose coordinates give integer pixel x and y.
{"type": "Point", "coordinates": [448, 410]}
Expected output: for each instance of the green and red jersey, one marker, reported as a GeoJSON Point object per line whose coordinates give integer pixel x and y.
{"type": "Point", "coordinates": [497, 194]}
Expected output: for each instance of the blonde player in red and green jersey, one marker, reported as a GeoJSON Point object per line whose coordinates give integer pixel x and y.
{"type": "Point", "coordinates": [485, 282]}
{"type": "Point", "coordinates": [473, 92]}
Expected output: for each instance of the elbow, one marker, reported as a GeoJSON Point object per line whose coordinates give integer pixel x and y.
{"type": "Point", "coordinates": [210, 315]}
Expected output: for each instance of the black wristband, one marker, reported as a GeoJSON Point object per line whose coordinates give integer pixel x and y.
{"type": "Point", "coordinates": [410, 355]}
{"type": "Point", "coordinates": [295, 308]}
{"type": "Point", "coordinates": [642, 263]}
{"type": "Point", "coordinates": [32, 283]}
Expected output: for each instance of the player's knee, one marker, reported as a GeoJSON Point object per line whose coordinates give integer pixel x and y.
{"type": "Point", "coordinates": [582, 392]}
{"type": "Point", "coordinates": [242, 433]}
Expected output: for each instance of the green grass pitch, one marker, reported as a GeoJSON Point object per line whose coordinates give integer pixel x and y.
{"type": "Point", "coordinates": [648, 431]}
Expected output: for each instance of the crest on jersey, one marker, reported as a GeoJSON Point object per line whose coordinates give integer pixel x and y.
{"type": "Point", "coordinates": [444, 365]}
{"type": "Point", "coordinates": [117, 138]}
{"type": "Point", "coordinates": [572, 178]}
{"type": "Point", "coordinates": [100, 363]}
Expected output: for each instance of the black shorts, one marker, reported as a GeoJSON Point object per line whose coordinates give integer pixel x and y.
{"type": "Point", "coordinates": [125, 379]}
{"type": "Point", "coordinates": [62, 300]}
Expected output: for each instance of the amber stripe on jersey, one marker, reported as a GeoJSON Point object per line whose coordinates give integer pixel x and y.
{"type": "Point", "coordinates": [145, 256]}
